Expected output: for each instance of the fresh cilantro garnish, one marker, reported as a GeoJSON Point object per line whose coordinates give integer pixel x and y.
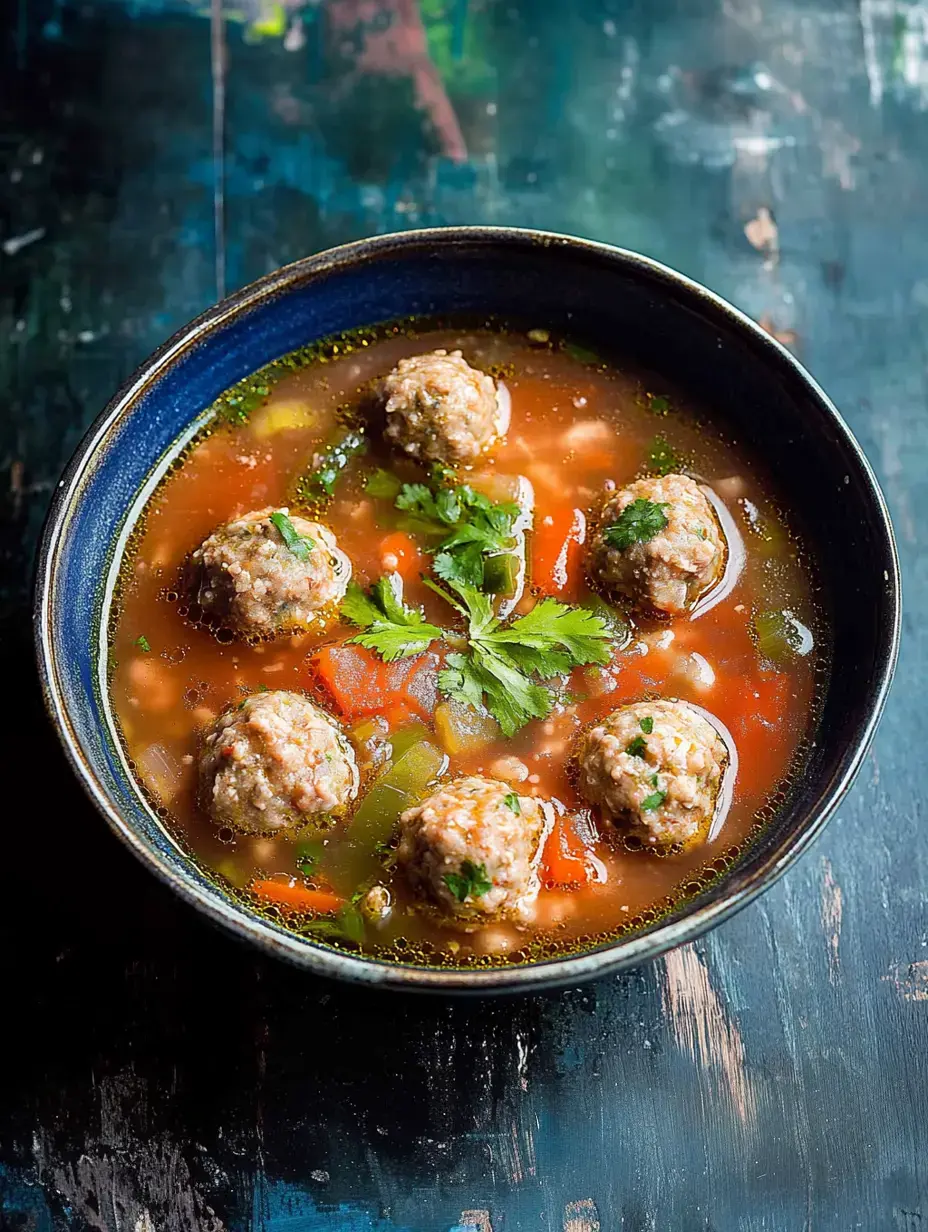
{"type": "Point", "coordinates": [383, 483]}
{"type": "Point", "coordinates": [318, 482]}
{"type": "Point", "coordinates": [472, 881]}
{"type": "Point", "coordinates": [511, 801]}
{"type": "Point", "coordinates": [298, 544]}
{"type": "Point", "coordinates": [471, 526]}
{"type": "Point", "coordinates": [636, 747]}
{"type": "Point", "coordinates": [637, 523]}
{"type": "Point", "coordinates": [647, 724]}
{"type": "Point", "coordinates": [654, 801]}
{"type": "Point", "coordinates": [658, 404]}
{"type": "Point", "coordinates": [498, 668]}
{"type": "Point", "coordinates": [143, 643]}
{"type": "Point", "coordinates": [391, 628]}
{"type": "Point", "coordinates": [662, 457]}
{"type": "Point", "coordinates": [701, 532]}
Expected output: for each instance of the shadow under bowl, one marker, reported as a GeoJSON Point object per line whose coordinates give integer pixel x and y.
{"type": "Point", "coordinates": [608, 298]}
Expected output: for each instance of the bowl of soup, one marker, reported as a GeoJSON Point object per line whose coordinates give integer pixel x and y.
{"type": "Point", "coordinates": [468, 610]}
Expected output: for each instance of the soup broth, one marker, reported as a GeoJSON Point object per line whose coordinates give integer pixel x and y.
{"type": "Point", "coordinates": [748, 653]}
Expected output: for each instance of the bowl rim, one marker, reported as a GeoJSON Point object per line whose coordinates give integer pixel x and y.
{"type": "Point", "coordinates": [547, 974]}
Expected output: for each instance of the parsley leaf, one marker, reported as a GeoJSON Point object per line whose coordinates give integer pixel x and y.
{"type": "Point", "coordinates": [511, 801]}
{"type": "Point", "coordinates": [654, 801]}
{"type": "Point", "coordinates": [637, 747]}
{"type": "Point", "coordinates": [391, 628]}
{"type": "Point", "coordinates": [298, 544]}
{"type": "Point", "coordinates": [472, 881]}
{"type": "Point", "coordinates": [470, 526]}
{"type": "Point", "coordinates": [647, 724]}
{"type": "Point", "coordinates": [143, 643]}
{"type": "Point", "coordinates": [637, 523]}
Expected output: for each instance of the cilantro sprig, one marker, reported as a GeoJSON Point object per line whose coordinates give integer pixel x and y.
{"type": "Point", "coordinates": [471, 528]}
{"type": "Point", "coordinates": [299, 545]}
{"type": "Point", "coordinates": [637, 523]}
{"type": "Point", "coordinates": [391, 628]}
{"type": "Point", "coordinates": [503, 663]}
{"type": "Point", "coordinates": [471, 882]}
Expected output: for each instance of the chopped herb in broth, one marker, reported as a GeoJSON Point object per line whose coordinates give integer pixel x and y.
{"type": "Point", "coordinates": [473, 669]}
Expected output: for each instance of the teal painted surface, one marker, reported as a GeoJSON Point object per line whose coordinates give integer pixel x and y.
{"type": "Point", "coordinates": [159, 1076]}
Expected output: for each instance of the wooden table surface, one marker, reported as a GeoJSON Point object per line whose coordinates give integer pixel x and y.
{"type": "Point", "coordinates": [158, 1075]}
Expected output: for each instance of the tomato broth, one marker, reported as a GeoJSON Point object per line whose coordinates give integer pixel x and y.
{"type": "Point", "coordinates": [579, 428]}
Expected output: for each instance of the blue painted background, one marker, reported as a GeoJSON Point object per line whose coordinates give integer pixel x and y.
{"type": "Point", "coordinates": [158, 1076]}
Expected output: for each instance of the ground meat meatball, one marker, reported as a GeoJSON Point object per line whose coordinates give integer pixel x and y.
{"type": "Point", "coordinates": [671, 570]}
{"type": "Point", "coordinates": [653, 769]}
{"type": "Point", "coordinates": [245, 575]}
{"type": "Point", "coordinates": [440, 409]}
{"type": "Point", "coordinates": [475, 833]}
{"type": "Point", "coordinates": [275, 762]}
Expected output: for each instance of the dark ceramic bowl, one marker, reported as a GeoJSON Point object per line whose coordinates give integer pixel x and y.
{"type": "Point", "coordinates": [597, 294]}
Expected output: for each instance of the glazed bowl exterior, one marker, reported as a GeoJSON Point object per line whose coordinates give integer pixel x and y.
{"type": "Point", "coordinates": [605, 297]}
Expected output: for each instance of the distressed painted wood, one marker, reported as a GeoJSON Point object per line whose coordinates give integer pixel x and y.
{"type": "Point", "coordinates": [158, 1076]}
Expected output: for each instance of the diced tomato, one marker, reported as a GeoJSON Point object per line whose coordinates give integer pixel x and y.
{"type": "Point", "coordinates": [401, 548]}
{"type": "Point", "coordinates": [556, 540]}
{"type": "Point", "coordinates": [413, 683]}
{"type": "Point", "coordinates": [566, 860]}
{"type": "Point", "coordinates": [353, 676]}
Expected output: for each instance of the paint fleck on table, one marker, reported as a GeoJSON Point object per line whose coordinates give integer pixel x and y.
{"type": "Point", "coordinates": [158, 1075]}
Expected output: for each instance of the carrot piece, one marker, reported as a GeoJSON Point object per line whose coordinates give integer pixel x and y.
{"type": "Point", "coordinates": [295, 897]}
{"type": "Point", "coordinates": [413, 683]}
{"type": "Point", "coordinates": [408, 557]}
{"type": "Point", "coordinates": [354, 677]}
{"type": "Point", "coordinates": [398, 715]}
{"type": "Point", "coordinates": [564, 861]}
{"type": "Point", "coordinates": [556, 541]}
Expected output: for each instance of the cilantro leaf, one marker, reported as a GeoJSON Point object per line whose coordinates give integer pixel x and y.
{"type": "Point", "coordinates": [511, 801]}
{"type": "Point", "coordinates": [637, 523]}
{"type": "Point", "coordinates": [636, 747]}
{"type": "Point", "coordinates": [647, 724]}
{"type": "Point", "coordinates": [472, 881]}
{"type": "Point", "coordinates": [299, 545]}
{"type": "Point", "coordinates": [654, 801]}
{"type": "Point", "coordinates": [317, 484]}
{"type": "Point", "coordinates": [662, 458]}
{"type": "Point", "coordinates": [143, 643]}
{"type": "Point", "coordinates": [382, 483]}
{"type": "Point", "coordinates": [391, 628]}
{"type": "Point", "coordinates": [550, 628]}
{"type": "Point", "coordinates": [658, 404]}
{"type": "Point", "coordinates": [470, 526]}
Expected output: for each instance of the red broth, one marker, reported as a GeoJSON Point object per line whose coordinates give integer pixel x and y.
{"type": "Point", "coordinates": [576, 427]}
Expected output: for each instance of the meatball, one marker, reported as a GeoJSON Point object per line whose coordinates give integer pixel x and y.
{"type": "Point", "coordinates": [683, 557]}
{"type": "Point", "coordinates": [440, 409]}
{"type": "Point", "coordinates": [274, 762]}
{"type": "Point", "coordinates": [247, 575]}
{"type": "Point", "coordinates": [472, 850]}
{"type": "Point", "coordinates": [654, 769]}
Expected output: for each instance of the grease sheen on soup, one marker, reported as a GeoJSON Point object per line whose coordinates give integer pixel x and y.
{"type": "Point", "coordinates": [188, 679]}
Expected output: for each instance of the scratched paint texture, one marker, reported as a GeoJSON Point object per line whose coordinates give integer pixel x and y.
{"type": "Point", "coordinates": [158, 1076]}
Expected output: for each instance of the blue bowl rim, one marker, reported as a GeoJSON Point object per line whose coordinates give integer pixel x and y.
{"type": "Point", "coordinates": [553, 973]}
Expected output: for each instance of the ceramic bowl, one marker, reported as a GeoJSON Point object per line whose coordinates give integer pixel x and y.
{"type": "Point", "coordinates": [602, 295]}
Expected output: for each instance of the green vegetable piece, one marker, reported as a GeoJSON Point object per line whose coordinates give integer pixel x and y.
{"type": "Point", "coordinates": [472, 881]}
{"type": "Point", "coordinates": [511, 801]}
{"type": "Point", "coordinates": [654, 801]}
{"type": "Point", "coordinates": [318, 483]}
{"type": "Point", "coordinates": [351, 922]}
{"type": "Point", "coordinates": [637, 523]}
{"type": "Point", "coordinates": [357, 858]}
{"type": "Point", "coordinates": [618, 627]}
{"type": "Point", "coordinates": [501, 574]}
{"type": "Point", "coordinates": [647, 724]}
{"type": "Point", "coordinates": [409, 734]}
{"type": "Point", "coordinates": [308, 854]}
{"type": "Point", "coordinates": [637, 747]}
{"type": "Point", "coordinates": [781, 637]}
{"type": "Point", "coordinates": [298, 544]}
{"type": "Point", "coordinates": [143, 643]}
{"type": "Point", "coordinates": [383, 483]}
{"type": "Point", "coordinates": [662, 458]}
{"type": "Point", "coordinates": [581, 354]}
